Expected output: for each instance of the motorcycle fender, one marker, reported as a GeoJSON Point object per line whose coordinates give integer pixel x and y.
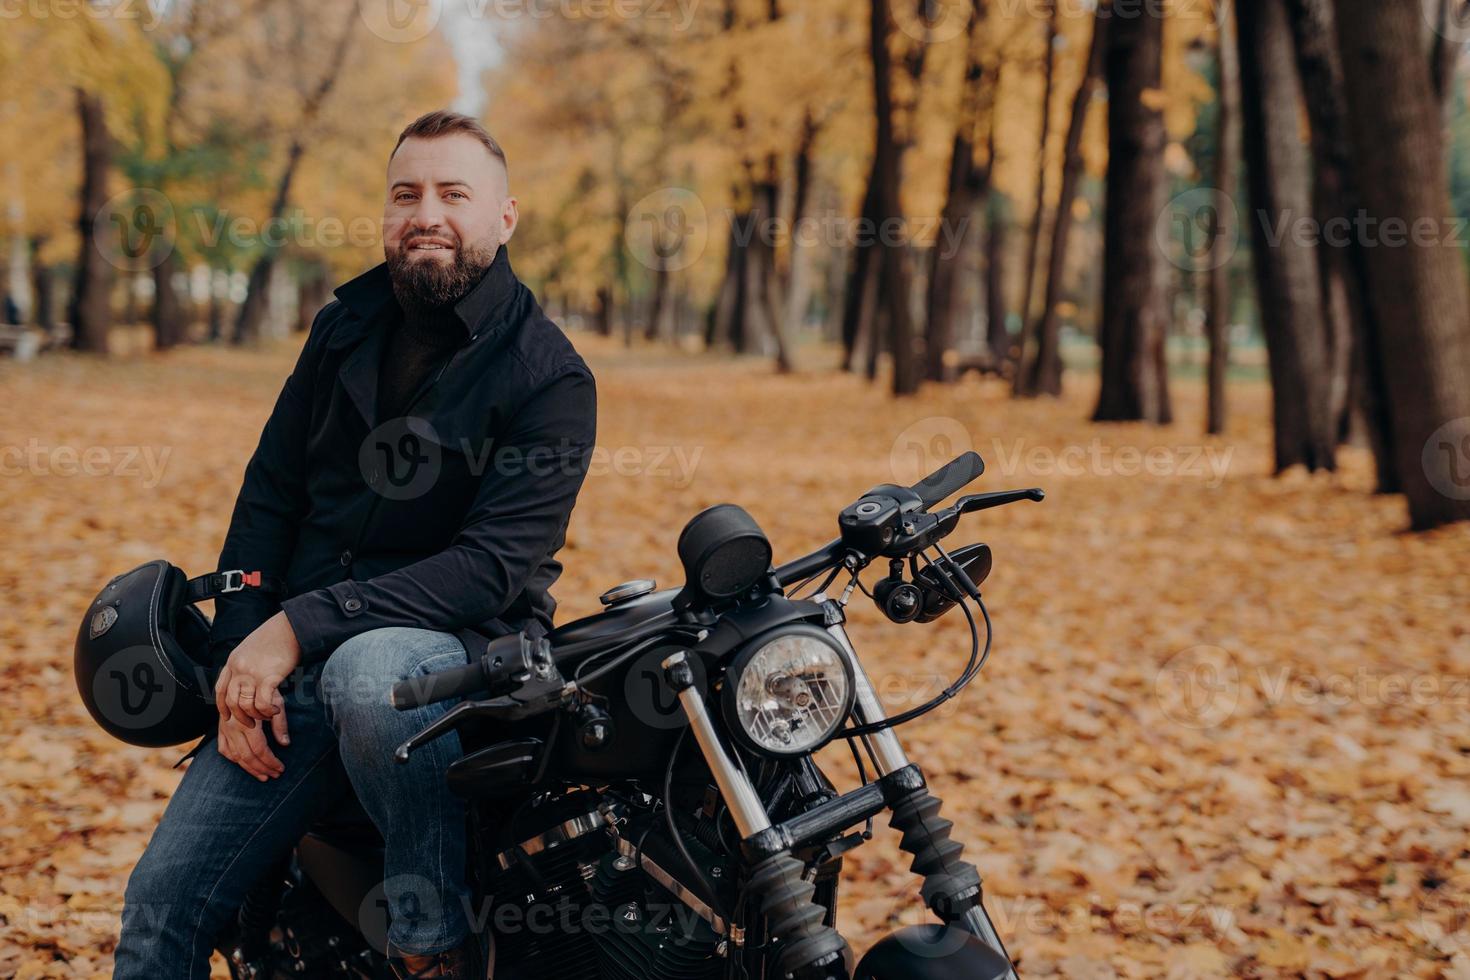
{"type": "Point", "coordinates": [932, 952]}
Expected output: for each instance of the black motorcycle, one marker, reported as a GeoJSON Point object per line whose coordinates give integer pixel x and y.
{"type": "Point", "coordinates": [603, 845]}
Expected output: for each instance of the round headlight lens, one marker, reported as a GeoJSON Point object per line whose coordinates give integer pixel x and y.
{"type": "Point", "coordinates": [792, 693]}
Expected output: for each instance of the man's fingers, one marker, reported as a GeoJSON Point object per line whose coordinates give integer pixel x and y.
{"type": "Point", "coordinates": [266, 698]}
{"type": "Point", "coordinates": [232, 747]}
{"type": "Point", "coordinates": [278, 721]}
{"type": "Point", "coordinates": [255, 739]}
{"type": "Point", "coordinates": [221, 688]}
{"type": "Point", "coordinates": [242, 697]}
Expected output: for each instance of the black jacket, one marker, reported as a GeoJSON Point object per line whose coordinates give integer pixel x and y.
{"type": "Point", "coordinates": [447, 518]}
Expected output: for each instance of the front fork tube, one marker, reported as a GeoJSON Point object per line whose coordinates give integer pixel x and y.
{"type": "Point", "coordinates": [810, 949]}
{"type": "Point", "coordinates": [951, 885]}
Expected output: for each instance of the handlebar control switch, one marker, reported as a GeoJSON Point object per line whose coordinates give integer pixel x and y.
{"type": "Point", "coordinates": [869, 524]}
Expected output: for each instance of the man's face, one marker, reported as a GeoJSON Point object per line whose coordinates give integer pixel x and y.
{"type": "Point", "coordinates": [447, 213]}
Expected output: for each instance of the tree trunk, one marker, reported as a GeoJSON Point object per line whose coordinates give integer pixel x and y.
{"type": "Point", "coordinates": [90, 310]}
{"type": "Point", "coordinates": [252, 311]}
{"type": "Point", "coordinates": [966, 183]}
{"type": "Point", "coordinates": [858, 308]}
{"type": "Point", "coordinates": [1447, 35]}
{"type": "Point", "coordinates": [43, 288]}
{"type": "Point", "coordinates": [997, 336]}
{"type": "Point", "coordinates": [1134, 316]}
{"type": "Point", "coordinates": [765, 279]}
{"type": "Point", "coordinates": [313, 291]}
{"type": "Point", "coordinates": [731, 323]}
{"type": "Point", "coordinates": [796, 281]}
{"type": "Point", "coordinates": [893, 274]}
{"type": "Point", "coordinates": [656, 327]}
{"type": "Point", "coordinates": [602, 318]}
{"type": "Point", "coordinates": [1045, 375]}
{"type": "Point", "coordinates": [170, 326]}
{"type": "Point", "coordinates": [218, 297]}
{"type": "Point", "coordinates": [1419, 286]}
{"type": "Point", "coordinates": [1288, 281]}
{"type": "Point", "coordinates": [1227, 152]}
{"type": "Point", "coordinates": [1346, 271]}
{"type": "Point", "coordinates": [1021, 381]}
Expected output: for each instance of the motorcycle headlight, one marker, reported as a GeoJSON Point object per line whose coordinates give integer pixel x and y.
{"type": "Point", "coordinates": [788, 692]}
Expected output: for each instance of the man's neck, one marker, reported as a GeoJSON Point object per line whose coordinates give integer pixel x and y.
{"type": "Point", "coordinates": [432, 323]}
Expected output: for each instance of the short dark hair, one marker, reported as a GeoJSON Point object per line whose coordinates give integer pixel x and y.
{"type": "Point", "coordinates": [442, 122]}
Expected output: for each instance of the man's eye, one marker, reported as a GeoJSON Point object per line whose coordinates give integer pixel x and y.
{"type": "Point", "coordinates": [457, 194]}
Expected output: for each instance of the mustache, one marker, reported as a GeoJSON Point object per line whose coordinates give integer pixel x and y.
{"type": "Point", "coordinates": [428, 237]}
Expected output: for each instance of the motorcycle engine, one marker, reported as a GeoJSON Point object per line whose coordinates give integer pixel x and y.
{"type": "Point", "coordinates": [573, 902]}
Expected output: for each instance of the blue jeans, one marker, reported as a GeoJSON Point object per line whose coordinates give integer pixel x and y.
{"type": "Point", "coordinates": [223, 828]}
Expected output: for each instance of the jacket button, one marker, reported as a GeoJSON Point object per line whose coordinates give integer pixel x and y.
{"type": "Point", "coordinates": [346, 558]}
{"type": "Point", "coordinates": [352, 605]}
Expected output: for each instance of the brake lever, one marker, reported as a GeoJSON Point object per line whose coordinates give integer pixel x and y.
{"type": "Point", "coordinates": [535, 697]}
{"type": "Point", "coordinates": [984, 501]}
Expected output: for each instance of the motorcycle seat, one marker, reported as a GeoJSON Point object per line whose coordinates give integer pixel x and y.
{"type": "Point", "coordinates": [348, 826]}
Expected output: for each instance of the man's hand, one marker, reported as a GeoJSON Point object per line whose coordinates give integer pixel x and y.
{"type": "Point", "coordinates": [245, 745]}
{"type": "Point", "coordinates": [248, 689]}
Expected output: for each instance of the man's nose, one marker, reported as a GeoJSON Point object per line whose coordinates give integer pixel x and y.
{"type": "Point", "coordinates": [429, 215]}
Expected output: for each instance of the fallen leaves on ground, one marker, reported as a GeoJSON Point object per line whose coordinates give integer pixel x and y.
{"type": "Point", "coordinates": [1223, 730]}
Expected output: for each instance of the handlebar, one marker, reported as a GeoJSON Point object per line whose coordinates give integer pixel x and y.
{"type": "Point", "coordinates": [507, 663]}
{"type": "Point", "coordinates": [415, 692]}
{"type": "Point", "coordinates": [510, 660]}
{"type": "Point", "coordinates": [958, 473]}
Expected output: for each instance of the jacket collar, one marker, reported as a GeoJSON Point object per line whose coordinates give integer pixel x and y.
{"type": "Point", "coordinates": [370, 296]}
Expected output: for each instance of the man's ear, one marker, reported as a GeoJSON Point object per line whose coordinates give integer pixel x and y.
{"type": "Point", "coordinates": [510, 216]}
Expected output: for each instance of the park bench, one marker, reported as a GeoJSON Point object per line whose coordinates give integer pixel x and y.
{"type": "Point", "coordinates": [22, 343]}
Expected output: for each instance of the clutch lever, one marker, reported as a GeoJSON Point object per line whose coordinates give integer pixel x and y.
{"type": "Point", "coordinates": [535, 697]}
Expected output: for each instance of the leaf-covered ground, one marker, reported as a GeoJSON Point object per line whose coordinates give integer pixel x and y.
{"type": "Point", "coordinates": [1224, 730]}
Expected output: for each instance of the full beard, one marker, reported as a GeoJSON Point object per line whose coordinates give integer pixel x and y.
{"type": "Point", "coordinates": [426, 287]}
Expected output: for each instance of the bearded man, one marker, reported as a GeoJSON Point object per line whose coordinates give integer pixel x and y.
{"type": "Point", "coordinates": [410, 489]}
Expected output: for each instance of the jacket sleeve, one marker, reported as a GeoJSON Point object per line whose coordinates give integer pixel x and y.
{"type": "Point", "coordinates": [270, 507]}
{"type": "Point", "coordinates": [520, 511]}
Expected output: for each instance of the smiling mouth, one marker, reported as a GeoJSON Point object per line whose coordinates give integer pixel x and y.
{"type": "Point", "coordinates": [430, 247]}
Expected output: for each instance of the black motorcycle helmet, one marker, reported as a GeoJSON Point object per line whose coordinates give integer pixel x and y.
{"type": "Point", "coordinates": [142, 654]}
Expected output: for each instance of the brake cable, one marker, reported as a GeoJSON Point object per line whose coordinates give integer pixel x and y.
{"type": "Point", "coordinates": [972, 668]}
